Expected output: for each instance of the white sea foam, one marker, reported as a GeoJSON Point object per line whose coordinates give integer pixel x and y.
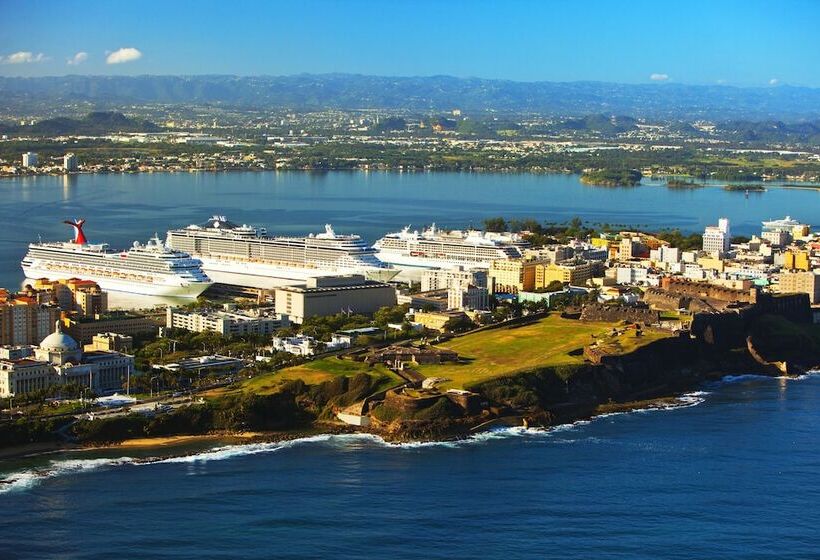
{"type": "Point", "coordinates": [25, 479]}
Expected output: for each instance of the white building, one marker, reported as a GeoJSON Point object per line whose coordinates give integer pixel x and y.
{"type": "Point", "coordinates": [465, 296]}
{"type": "Point", "coordinates": [70, 162]}
{"type": "Point", "coordinates": [717, 239]}
{"type": "Point", "coordinates": [665, 254]}
{"type": "Point", "coordinates": [29, 159]}
{"type": "Point", "coordinates": [226, 323]}
{"type": "Point", "coordinates": [59, 360]}
{"type": "Point", "coordinates": [300, 345]}
{"type": "Point", "coordinates": [631, 275]}
{"type": "Point", "coordinates": [443, 279]}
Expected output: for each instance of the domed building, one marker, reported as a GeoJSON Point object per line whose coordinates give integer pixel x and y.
{"type": "Point", "coordinates": [60, 360]}
{"type": "Point", "coordinates": [59, 349]}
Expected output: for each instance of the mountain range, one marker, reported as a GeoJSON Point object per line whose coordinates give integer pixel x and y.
{"type": "Point", "coordinates": [423, 94]}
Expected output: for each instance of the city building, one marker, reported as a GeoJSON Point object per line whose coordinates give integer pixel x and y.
{"type": "Point", "coordinates": [436, 299]}
{"type": "Point", "coordinates": [572, 273]}
{"type": "Point", "coordinates": [330, 295]}
{"type": "Point", "coordinates": [443, 279]}
{"type": "Point", "coordinates": [796, 260]}
{"type": "Point", "coordinates": [83, 297]}
{"type": "Point", "coordinates": [781, 232]}
{"type": "Point", "coordinates": [717, 239]}
{"type": "Point", "coordinates": [83, 329]}
{"type": "Point", "coordinates": [226, 323]}
{"type": "Point", "coordinates": [24, 320]}
{"type": "Point", "coordinates": [204, 365]}
{"type": "Point", "coordinates": [111, 342]}
{"type": "Point", "coordinates": [510, 276]}
{"type": "Point", "coordinates": [70, 162]}
{"type": "Point", "coordinates": [438, 320]}
{"type": "Point", "coordinates": [59, 360]}
{"type": "Point", "coordinates": [463, 295]}
{"type": "Point", "coordinates": [801, 283]}
{"type": "Point", "coordinates": [29, 159]}
{"type": "Point", "coordinates": [299, 345]}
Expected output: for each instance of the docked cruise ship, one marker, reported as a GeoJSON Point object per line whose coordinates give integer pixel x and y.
{"type": "Point", "coordinates": [433, 248]}
{"type": "Point", "coordinates": [146, 269]}
{"type": "Point", "coordinates": [247, 256]}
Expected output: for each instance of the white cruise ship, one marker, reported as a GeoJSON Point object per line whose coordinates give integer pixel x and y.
{"type": "Point", "coordinates": [247, 256]}
{"type": "Point", "coordinates": [433, 248]}
{"type": "Point", "coordinates": [151, 269]}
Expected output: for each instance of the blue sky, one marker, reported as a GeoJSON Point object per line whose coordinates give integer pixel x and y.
{"type": "Point", "coordinates": [706, 42]}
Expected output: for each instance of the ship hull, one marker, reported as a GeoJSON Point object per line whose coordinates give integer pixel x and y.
{"type": "Point", "coordinates": [182, 290]}
{"type": "Point", "coordinates": [268, 276]}
{"type": "Point", "coordinates": [412, 268]}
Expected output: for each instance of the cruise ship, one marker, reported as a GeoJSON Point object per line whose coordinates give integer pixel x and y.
{"type": "Point", "coordinates": [146, 269]}
{"type": "Point", "coordinates": [246, 256]}
{"type": "Point", "coordinates": [433, 248]}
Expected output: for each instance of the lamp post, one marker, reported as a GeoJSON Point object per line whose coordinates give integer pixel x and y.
{"type": "Point", "coordinates": [151, 384]}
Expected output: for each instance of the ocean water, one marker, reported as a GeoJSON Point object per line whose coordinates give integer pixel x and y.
{"type": "Point", "coordinates": [121, 208]}
{"type": "Point", "coordinates": [732, 472]}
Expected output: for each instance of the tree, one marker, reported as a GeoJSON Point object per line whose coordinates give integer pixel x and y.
{"type": "Point", "coordinates": [497, 225]}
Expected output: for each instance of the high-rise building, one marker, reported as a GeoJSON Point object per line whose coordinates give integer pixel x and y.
{"type": "Point", "coordinates": [29, 159]}
{"type": "Point", "coordinates": [717, 239]}
{"type": "Point", "coordinates": [70, 162]}
{"type": "Point", "coordinates": [24, 320]}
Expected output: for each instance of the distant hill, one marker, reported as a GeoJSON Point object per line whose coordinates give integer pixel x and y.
{"type": "Point", "coordinates": [599, 123]}
{"type": "Point", "coordinates": [101, 122]}
{"type": "Point", "coordinates": [807, 132]}
{"type": "Point", "coordinates": [435, 93]}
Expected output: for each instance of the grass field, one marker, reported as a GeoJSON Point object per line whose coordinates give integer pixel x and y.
{"type": "Point", "coordinates": [318, 371]}
{"type": "Point", "coordinates": [549, 342]}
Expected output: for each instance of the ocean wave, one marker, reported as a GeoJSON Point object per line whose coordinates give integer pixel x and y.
{"type": "Point", "coordinates": [728, 379]}
{"type": "Point", "coordinates": [554, 434]}
{"type": "Point", "coordinates": [23, 480]}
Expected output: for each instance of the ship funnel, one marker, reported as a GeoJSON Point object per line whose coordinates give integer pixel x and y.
{"type": "Point", "coordinates": [79, 236]}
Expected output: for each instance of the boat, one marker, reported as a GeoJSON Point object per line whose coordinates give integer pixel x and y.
{"type": "Point", "coordinates": [247, 256]}
{"type": "Point", "coordinates": [146, 269]}
{"type": "Point", "coordinates": [435, 249]}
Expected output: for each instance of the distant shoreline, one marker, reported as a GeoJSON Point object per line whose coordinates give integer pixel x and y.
{"type": "Point", "coordinates": [778, 183]}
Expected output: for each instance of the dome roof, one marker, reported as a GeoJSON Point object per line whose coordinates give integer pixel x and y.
{"type": "Point", "coordinates": [59, 341]}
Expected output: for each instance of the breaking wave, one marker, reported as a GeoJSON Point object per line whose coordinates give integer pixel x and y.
{"type": "Point", "coordinates": [28, 478]}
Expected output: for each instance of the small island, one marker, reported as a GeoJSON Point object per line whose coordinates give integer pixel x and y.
{"type": "Point", "coordinates": [611, 177]}
{"type": "Point", "coordinates": [745, 188]}
{"type": "Point", "coordinates": [682, 184]}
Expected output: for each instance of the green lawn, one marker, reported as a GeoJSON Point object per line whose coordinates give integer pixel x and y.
{"type": "Point", "coordinates": [550, 341]}
{"type": "Point", "coordinates": [315, 372]}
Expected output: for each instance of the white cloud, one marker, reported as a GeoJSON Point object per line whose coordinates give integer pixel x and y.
{"type": "Point", "coordinates": [125, 54]}
{"type": "Point", "coordinates": [659, 77]}
{"type": "Point", "coordinates": [78, 58]}
{"type": "Point", "coordinates": [774, 82]}
{"type": "Point", "coordinates": [23, 57]}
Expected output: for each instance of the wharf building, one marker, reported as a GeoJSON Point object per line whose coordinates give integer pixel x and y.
{"type": "Point", "coordinates": [59, 360]}
{"type": "Point", "coordinates": [329, 295]}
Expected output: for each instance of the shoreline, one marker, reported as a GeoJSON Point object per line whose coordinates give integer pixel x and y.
{"type": "Point", "coordinates": [773, 183]}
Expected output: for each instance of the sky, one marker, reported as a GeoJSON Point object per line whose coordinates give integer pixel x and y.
{"type": "Point", "coordinates": [745, 43]}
